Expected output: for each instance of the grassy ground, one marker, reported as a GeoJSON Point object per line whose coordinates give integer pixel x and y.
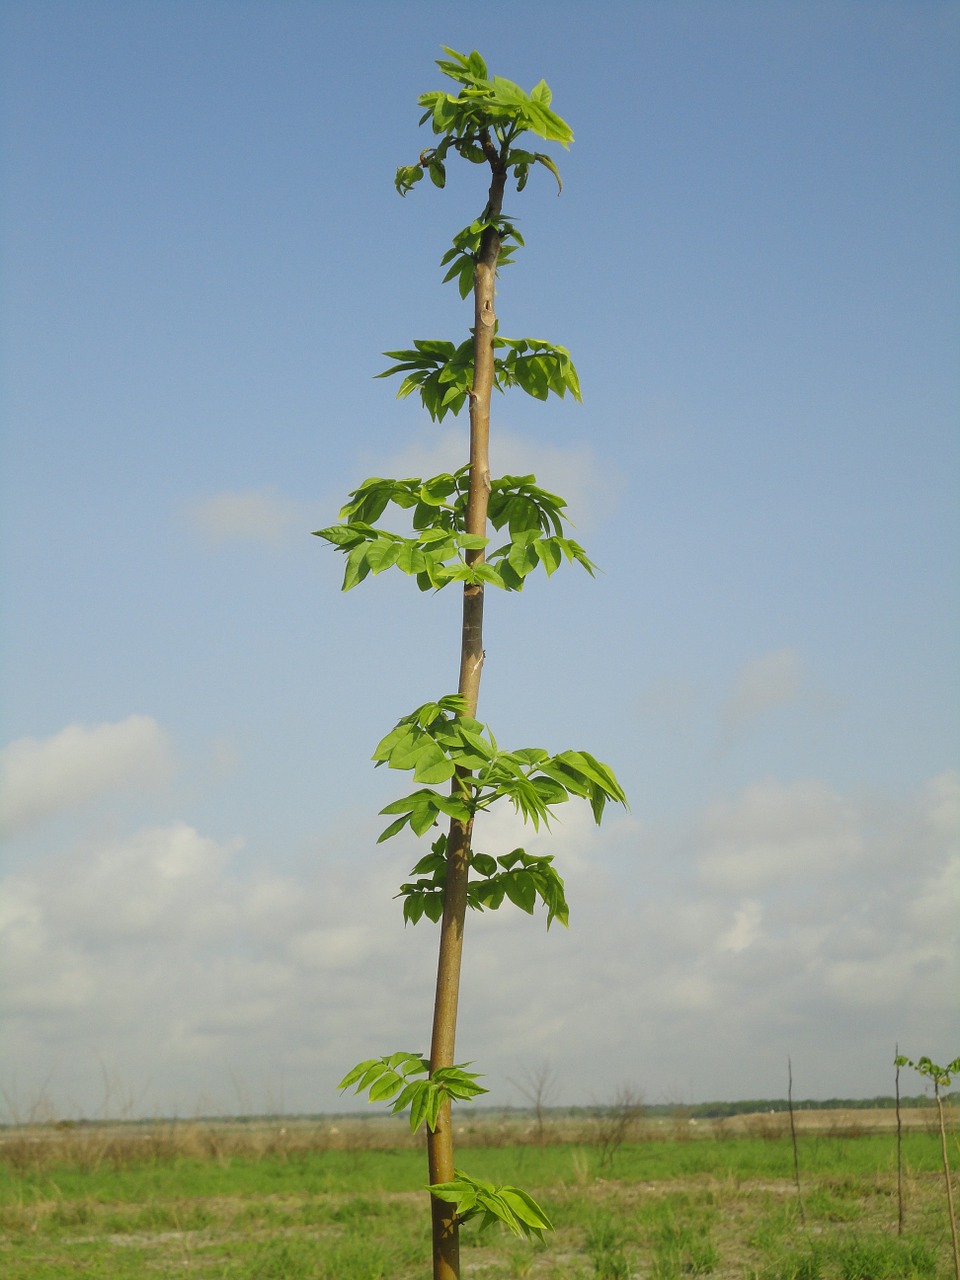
{"type": "Point", "coordinates": [284, 1201]}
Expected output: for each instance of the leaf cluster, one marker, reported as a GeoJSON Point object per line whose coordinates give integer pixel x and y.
{"type": "Point", "coordinates": [519, 876]}
{"type": "Point", "coordinates": [438, 743]}
{"type": "Point", "coordinates": [509, 1205]}
{"type": "Point", "coordinates": [439, 551]}
{"type": "Point", "coordinates": [941, 1076]}
{"type": "Point", "coordinates": [394, 1077]}
{"type": "Point", "coordinates": [466, 249]}
{"type": "Point", "coordinates": [481, 121]}
{"type": "Point", "coordinates": [442, 373]}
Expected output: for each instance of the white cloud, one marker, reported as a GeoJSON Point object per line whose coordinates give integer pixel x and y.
{"type": "Point", "coordinates": [272, 518]}
{"type": "Point", "coordinates": [250, 515]}
{"type": "Point", "coordinates": [686, 971]}
{"type": "Point", "coordinates": [774, 834]}
{"type": "Point", "coordinates": [764, 684]}
{"type": "Point", "coordinates": [48, 776]}
{"type": "Point", "coordinates": [745, 928]}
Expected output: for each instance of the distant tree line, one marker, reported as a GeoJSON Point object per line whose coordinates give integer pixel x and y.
{"type": "Point", "coordinates": [750, 1106]}
{"type": "Point", "coordinates": [669, 1110]}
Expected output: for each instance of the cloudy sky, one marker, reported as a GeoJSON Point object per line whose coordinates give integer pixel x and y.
{"type": "Point", "coordinates": [754, 264]}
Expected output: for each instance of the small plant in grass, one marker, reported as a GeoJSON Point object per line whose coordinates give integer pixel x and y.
{"type": "Point", "coordinates": [441, 742]}
{"type": "Point", "coordinates": [941, 1077]}
{"type": "Point", "coordinates": [604, 1242]}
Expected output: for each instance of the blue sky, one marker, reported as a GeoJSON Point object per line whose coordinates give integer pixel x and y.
{"type": "Point", "coordinates": [754, 265]}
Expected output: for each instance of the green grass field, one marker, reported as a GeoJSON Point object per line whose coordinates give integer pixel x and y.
{"type": "Point", "coordinates": [290, 1202]}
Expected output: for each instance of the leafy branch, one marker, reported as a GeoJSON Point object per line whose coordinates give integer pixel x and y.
{"type": "Point", "coordinates": [438, 742]}
{"type": "Point", "coordinates": [481, 123]}
{"type": "Point", "coordinates": [395, 1077]}
{"type": "Point", "coordinates": [941, 1076]}
{"type": "Point", "coordinates": [533, 517]}
{"type": "Point", "coordinates": [443, 373]}
{"type": "Point", "coordinates": [521, 877]}
{"type": "Point", "coordinates": [509, 1205]}
{"type": "Point", "coordinates": [466, 249]}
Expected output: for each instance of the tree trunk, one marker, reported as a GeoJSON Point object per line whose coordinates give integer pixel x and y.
{"type": "Point", "coordinates": [446, 1240]}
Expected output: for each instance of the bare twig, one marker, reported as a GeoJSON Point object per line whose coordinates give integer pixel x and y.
{"type": "Point", "coordinates": [793, 1139]}
{"type": "Point", "coordinates": [616, 1123]}
{"type": "Point", "coordinates": [537, 1084]}
{"type": "Point", "coordinates": [899, 1146]}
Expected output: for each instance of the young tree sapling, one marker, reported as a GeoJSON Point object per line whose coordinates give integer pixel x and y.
{"type": "Point", "coordinates": [442, 743]}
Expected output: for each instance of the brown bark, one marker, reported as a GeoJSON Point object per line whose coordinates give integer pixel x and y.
{"type": "Point", "coordinates": [446, 1243]}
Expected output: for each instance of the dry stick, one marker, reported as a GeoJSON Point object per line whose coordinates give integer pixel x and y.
{"type": "Point", "coordinates": [446, 1233]}
{"type": "Point", "coordinates": [896, 1078]}
{"type": "Point", "coordinates": [793, 1137]}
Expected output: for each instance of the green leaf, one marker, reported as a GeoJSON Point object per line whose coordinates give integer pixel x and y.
{"type": "Point", "coordinates": [420, 1105]}
{"type": "Point", "coordinates": [407, 176]}
{"type": "Point", "coordinates": [411, 558]}
{"type": "Point", "coordinates": [550, 790]}
{"type": "Point", "coordinates": [532, 377]}
{"type": "Point", "coordinates": [422, 819]}
{"type": "Point", "coordinates": [447, 1191]}
{"type": "Point", "coordinates": [547, 124]}
{"type": "Point", "coordinates": [548, 553]}
{"type": "Point", "coordinates": [339, 535]}
{"type": "Point", "coordinates": [485, 572]}
{"type": "Point", "coordinates": [471, 541]}
{"type": "Point", "coordinates": [388, 1084]}
{"type": "Point", "coordinates": [520, 889]}
{"type": "Point", "coordinates": [433, 906]}
{"type": "Point", "coordinates": [438, 489]}
{"type": "Point", "coordinates": [548, 163]}
{"type": "Point", "coordinates": [526, 1208]}
{"type": "Point", "coordinates": [400, 747]}
{"type": "Point", "coordinates": [487, 894]}
{"type": "Point", "coordinates": [412, 909]}
{"type": "Point", "coordinates": [522, 558]}
{"type": "Point", "coordinates": [470, 151]}
{"type": "Point", "coordinates": [466, 277]}
{"type": "Point", "coordinates": [478, 68]}
{"type": "Point", "coordinates": [358, 1071]}
{"type": "Point", "coordinates": [383, 553]}
{"type": "Point", "coordinates": [357, 566]}
{"type": "Point", "coordinates": [429, 865]}
{"type": "Point", "coordinates": [394, 829]}
{"type": "Point", "coordinates": [433, 766]}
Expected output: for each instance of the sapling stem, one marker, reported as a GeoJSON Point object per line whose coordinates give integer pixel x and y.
{"type": "Point", "coordinates": [947, 1180]}
{"type": "Point", "coordinates": [440, 1151]}
{"type": "Point", "coordinates": [941, 1076]}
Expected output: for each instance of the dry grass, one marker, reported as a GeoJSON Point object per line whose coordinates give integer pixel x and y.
{"type": "Point", "coordinates": [32, 1148]}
